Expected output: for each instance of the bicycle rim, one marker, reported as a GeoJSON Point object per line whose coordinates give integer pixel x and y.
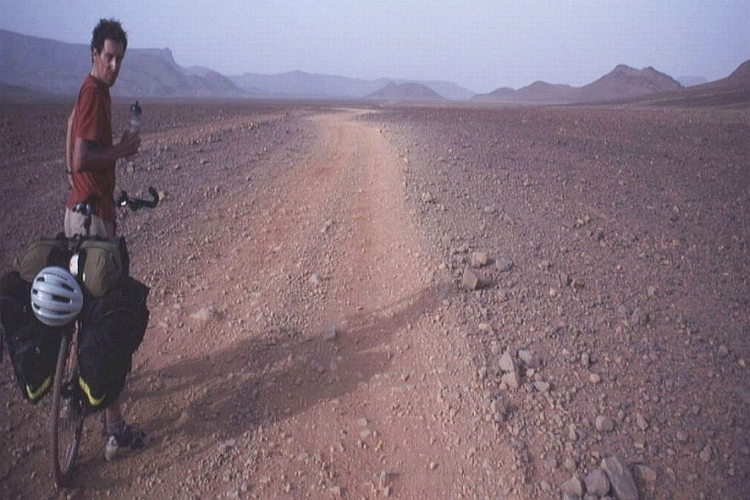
{"type": "Point", "coordinates": [67, 416]}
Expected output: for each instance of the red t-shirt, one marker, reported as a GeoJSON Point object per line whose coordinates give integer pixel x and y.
{"type": "Point", "coordinates": [93, 122]}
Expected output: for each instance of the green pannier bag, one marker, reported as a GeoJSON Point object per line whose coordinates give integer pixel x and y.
{"type": "Point", "coordinates": [105, 264]}
{"type": "Point", "coordinates": [43, 253]}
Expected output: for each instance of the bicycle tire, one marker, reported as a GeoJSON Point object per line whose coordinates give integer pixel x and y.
{"type": "Point", "coordinates": [67, 415]}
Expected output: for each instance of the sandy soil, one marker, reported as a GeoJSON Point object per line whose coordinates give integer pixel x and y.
{"type": "Point", "coordinates": [315, 331]}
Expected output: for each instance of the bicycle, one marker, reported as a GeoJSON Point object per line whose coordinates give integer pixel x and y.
{"type": "Point", "coordinates": [68, 408]}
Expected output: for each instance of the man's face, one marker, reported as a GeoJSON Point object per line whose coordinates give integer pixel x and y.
{"type": "Point", "coordinates": [107, 62]}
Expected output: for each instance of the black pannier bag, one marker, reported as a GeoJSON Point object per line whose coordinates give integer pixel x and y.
{"type": "Point", "coordinates": [32, 345]}
{"type": "Point", "coordinates": [113, 327]}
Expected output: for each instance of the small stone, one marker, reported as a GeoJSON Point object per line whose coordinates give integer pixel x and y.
{"type": "Point", "coordinates": [316, 280]}
{"type": "Point", "coordinates": [572, 433]}
{"type": "Point", "coordinates": [723, 351]}
{"type": "Point", "coordinates": [645, 475]}
{"type": "Point", "coordinates": [639, 317]}
{"type": "Point", "coordinates": [681, 436]}
{"type": "Point", "coordinates": [585, 359]}
{"type": "Point", "coordinates": [528, 359]}
{"type": "Point", "coordinates": [595, 378]}
{"type": "Point", "coordinates": [183, 419]}
{"type": "Point", "coordinates": [511, 380]}
{"type": "Point", "coordinates": [573, 486]}
{"type": "Point", "coordinates": [479, 259]}
{"type": "Point", "coordinates": [206, 314]}
{"type": "Point", "coordinates": [330, 333]}
{"type": "Point", "coordinates": [506, 362]}
{"type": "Point", "coordinates": [470, 280]}
{"type": "Point", "coordinates": [620, 478]}
{"type": "Point", "coordinates": [604, 424]}
{"type": "Point", "coordinates": [597, 483]}
{"type": "Point", "coordinates": [706, 454]}
{"type": "Point", "coordinates": [641, 421]}
{"type": "Point", "coordinates": [542, 387]}
{"type": "Point", "coordinates": [504, 264]}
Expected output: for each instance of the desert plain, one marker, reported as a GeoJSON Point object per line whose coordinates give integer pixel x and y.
{"type": "Point", "coordinates": [416, 302]}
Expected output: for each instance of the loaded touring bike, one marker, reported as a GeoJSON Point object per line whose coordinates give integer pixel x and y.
{"type": "Point", "coordinates": [69, 400]}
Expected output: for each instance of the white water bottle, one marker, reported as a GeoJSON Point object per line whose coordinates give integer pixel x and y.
{"type": "Point", "coordinates": [135, 118]}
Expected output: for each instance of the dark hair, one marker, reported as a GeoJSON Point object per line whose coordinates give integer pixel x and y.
{"type": "Point", "coordinates": [108, 29]}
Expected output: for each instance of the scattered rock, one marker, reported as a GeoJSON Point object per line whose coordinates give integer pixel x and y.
{"type": "Point", "coordinates": [528, 359]}
{"type": "Point", "coordinates": [511, 380]}
{"type": "Point", "coordinates": [471, 280]}
{"type": "Point", "coordinates": [330, 333]}
{"type": "Point", "coordinates": [641, 421]}
{"type": "Point", "coordinates": [573, 486]}
{"type": "Point", "coordinates": [506, 362]}
{"type": "Point", "coordinates": [504, 264]}
{"type": "Point", "coordinates": [620, 478]}
{"type": "Point", "coordinates": [597, 483]}
{"type": "Point", "coordinates": [604, 424]}
{"type": "Point", "coordinates": [206, 314]}
{"type": "Point", "coordinates": [479, 259]}
{"type": "Point", "coordinates": [645, 475]}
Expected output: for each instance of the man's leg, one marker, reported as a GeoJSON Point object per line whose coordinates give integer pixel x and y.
{"type": "Point", "coordinates": [114, 422]}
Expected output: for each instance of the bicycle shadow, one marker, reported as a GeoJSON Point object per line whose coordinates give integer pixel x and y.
{"type": "Point", "coordinates": [215, 400]}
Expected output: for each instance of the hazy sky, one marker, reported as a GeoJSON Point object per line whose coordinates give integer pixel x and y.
{"type": "Point", "coordinates": [479, 44]}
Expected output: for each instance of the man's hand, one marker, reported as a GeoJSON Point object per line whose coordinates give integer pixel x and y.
{"type": "Point", "coordinates": [129, 144]}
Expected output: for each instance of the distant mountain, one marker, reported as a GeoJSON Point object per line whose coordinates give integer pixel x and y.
{"type": "Point", "coordinates": [405, 92]}
{"type": "Point", "coordinates": [298, 84]}
{"type": "Point", "coordinates": [50, 66]}
{"type": "Point", "coordinates": [730, 92]}
{"type": "Point", "coordinates": [624, 82]}
{"type": "Point", "coordinates": [621, 83]}
{"type": "Point", "coordinates": [544, 92]}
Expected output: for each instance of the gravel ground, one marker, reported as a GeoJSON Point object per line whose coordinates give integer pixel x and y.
{"type": "Point", "coordinates": [447, 302]}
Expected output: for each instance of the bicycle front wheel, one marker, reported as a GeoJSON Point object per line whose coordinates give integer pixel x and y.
{"type": "Point", "coordinates": [67, 413]}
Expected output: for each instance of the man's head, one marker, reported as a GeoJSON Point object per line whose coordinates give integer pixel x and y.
{"type": "Point", "coordinates": [108, 45]}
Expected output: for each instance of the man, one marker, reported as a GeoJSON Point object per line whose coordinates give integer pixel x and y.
{"type": "Point", "coordinates": [91, 157]}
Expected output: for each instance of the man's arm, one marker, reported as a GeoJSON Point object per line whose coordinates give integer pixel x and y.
{"type": "Point", "coordinates": [88, 156]}
{"type": "Point", "coordinates": [69, 147]}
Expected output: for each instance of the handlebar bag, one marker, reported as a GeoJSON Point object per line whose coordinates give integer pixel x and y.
{"type": "Point", "coordinates": [32, 345]}
{"type": "Point", "coordinates": [105, 264]}
{"type": "Point", "coordinates": [43, 253]}
{"type": "Point", "coordinates": [113, 327]}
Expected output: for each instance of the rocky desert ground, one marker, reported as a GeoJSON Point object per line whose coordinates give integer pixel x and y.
{"type": "Point", "coordinates": [414, 302]}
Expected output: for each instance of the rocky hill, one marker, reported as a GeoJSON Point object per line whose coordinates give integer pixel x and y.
{"type": "Point", "coordinates": [49, 66]}
{"type": "Point", "coordinates": [624, 82]}
{"type": "Point", "coordinates": [730, 92]}
{"type": "Point", "coordinates": [621, 83]}
{"type": "Point", "coordinates": [405, 92]}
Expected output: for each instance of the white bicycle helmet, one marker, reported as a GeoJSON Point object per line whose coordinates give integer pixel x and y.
{"type": "Point", "coordinates": [56, 296]}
